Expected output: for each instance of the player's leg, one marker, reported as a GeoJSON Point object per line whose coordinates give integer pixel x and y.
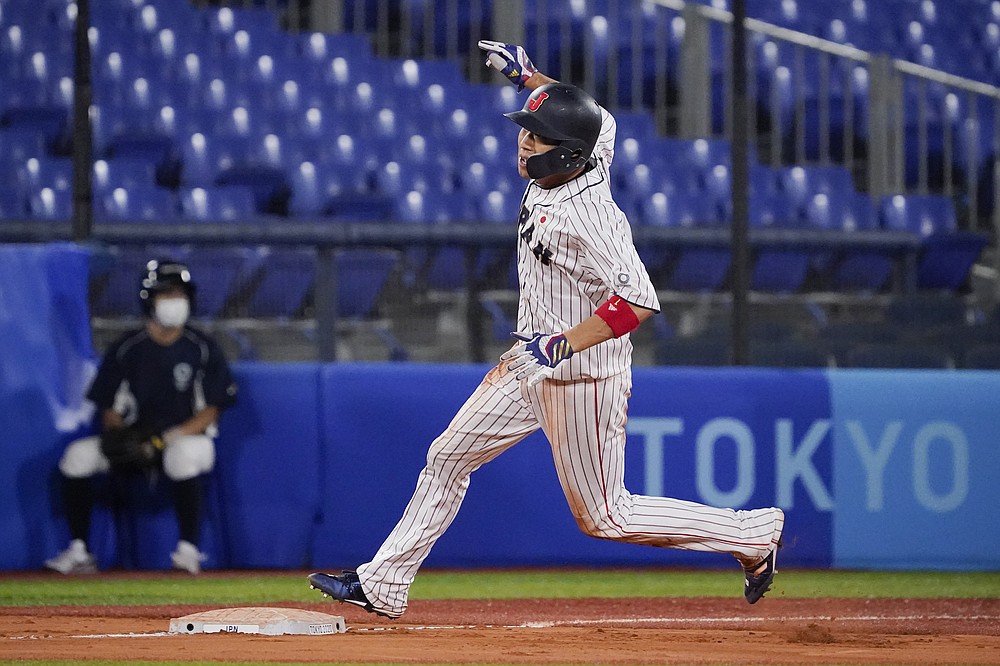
{"type": "Point", "coordinates": [494, 418]}
{"type": "Point", "coordinates": [585, 424]}
{"type": "Point", "coordinates": [81, 460]}
{"type": "Point", "coordinates": [185, 462]}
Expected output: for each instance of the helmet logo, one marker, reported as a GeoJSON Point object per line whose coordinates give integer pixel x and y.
{"type": "Point", "coordinates": [533, 104]}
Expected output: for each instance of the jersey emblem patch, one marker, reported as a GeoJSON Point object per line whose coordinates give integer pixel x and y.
{"type": "Point", "coordinates": [182, 376]}
{"type": "Point", "coordinates": [623, 278]}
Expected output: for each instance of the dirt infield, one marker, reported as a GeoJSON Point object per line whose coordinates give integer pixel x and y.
{"type": "Point", "coordinates": [538, 631]}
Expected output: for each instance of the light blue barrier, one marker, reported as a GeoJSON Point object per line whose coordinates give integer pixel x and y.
{"type": "Point", "coordinates": [917, 460]}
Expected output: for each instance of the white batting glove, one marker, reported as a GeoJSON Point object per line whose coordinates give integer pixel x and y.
{"type": "Point", "coordinates": [510, 60]}
{"type": "Point", "coordinates": [538, 356]}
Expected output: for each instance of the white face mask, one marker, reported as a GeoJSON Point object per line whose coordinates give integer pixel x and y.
{"type": "Point", "coordinates": [172, 312]}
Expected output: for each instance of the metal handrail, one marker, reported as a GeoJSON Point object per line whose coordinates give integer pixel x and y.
{"type": "Point", "coordinates": [835, 48]}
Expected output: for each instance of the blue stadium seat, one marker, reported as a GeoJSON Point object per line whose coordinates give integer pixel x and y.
{"type": "Point", "coordinates": [922, 214]}
{"type": "Point", "coordinates": [361, 277]}
{"type": "Point", "coordinates": [203, 158]}
{"type": "Point", "coordinates": [800, 185]}
{"type": "Point", "coordinates": [701, 269]}
{"type": "Point", "coordinates": [498, 207]}
{"type": "Point", "coordinates": [314, 185]}
{"type": "Point", "coordinates": [127, 172]}
{"type": "Point", "coordinates": [20, 93]}
{"type": "Point", "coordinates": [21, 144]}
{"type": "Point", "coordinates": [51, 204]}
{"type": "Point", "coordinates": [288, 275]}
{"type": "Point", "coordinates": [501, 98]}
{"type": "Point", "coordinates": [269, 185]}
{"type": "Point", "coordinates": [220, 203]}
{"type": "Point", "coordinates": [12, 204]}
{"type": "Point", "coordinates": [771, 211]}
{"type": "Point", "coordinates": [432, 207]}
{"type": "Point", "coordinates": [779, 271]}
{"type": "Point", "coordinates": [137, 203]}
{"type": "Point", "coordinates": [54, 172]}
{"type": "Point", "coordinates": [322, 48]}
{"type": "Point", "coordinates": [49, 121]}
{"type": "Point", "coordinates": [946, 258]}
{"type": "Point", "coordinates": [221, 273]}
{"type": "Point", "coordinates": [284, 284]}
{"type": "Point", "coordinates": [679, 210]}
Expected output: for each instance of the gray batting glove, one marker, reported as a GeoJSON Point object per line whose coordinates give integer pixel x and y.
{"type": "Point", "coordinates": [510, 60]}
{"type": "Point", "coordinates": [538, 355]}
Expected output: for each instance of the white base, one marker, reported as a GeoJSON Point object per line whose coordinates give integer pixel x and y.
{"type": "Point", "coordinates": [266, 621]}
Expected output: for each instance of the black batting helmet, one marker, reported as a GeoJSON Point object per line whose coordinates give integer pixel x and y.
{"type": "Point", "coordinates": [565, 116]}
{"type": "Point", "coordinates": [160, 275]}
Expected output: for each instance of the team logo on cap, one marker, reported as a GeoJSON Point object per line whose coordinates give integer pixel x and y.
{"type": "Point", "coordinates": [533, 104]}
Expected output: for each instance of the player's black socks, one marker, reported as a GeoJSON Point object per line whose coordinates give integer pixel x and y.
{"type": "Point", "coordinates": [187, 505]}
{"type": "Point", "coordinates": [78, 501]}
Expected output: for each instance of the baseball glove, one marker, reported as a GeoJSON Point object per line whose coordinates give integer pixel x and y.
{"type": "Point", "coordinates": [131, 450]}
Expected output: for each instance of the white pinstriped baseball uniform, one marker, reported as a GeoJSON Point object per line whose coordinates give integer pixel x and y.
{"type": "Point", "coordinates": [575, 251]}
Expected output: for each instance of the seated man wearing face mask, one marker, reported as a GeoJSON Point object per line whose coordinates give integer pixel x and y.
{"type": "Point", "coordinates": [159, 392]}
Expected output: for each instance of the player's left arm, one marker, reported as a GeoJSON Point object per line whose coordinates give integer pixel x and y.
{"type": "Point", "coordinates": [612, 320]}
{"type": "Point", "coordinates": [196, 425]}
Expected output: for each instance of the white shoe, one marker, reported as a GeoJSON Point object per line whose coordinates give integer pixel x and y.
{"type": "Point", "coordinates": [187, 557]}
{"type": "Point", "coordinates": [73, 560]}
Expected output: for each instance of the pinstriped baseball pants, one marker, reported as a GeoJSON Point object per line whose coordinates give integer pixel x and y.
{"type": "Point", "coordinates": [584, 422]}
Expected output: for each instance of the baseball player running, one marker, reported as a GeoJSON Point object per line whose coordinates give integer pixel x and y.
{"type": "Point", "coordinates": [583, 289]}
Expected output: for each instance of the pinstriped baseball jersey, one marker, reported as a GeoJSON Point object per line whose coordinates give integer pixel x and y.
{"type": "Point", "coordinates": [575, 251]}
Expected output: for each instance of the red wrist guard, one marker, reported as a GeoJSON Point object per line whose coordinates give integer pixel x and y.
{"type": "Point", "coordinates": [618, 315]}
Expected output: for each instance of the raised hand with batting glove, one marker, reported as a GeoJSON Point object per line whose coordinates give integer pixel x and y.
{"type": "Point", "coordinates": [510, 60]}
{"type": "Point", "coordinates": [537, 357]}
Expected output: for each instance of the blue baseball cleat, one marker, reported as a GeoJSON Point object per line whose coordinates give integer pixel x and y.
{"type": "Point", "coordinates": [345, 587]}
{"type": "Point", "coordinates": [759, 577]}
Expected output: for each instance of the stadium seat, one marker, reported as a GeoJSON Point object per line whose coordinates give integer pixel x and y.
{"type": "Point", "coordinates": [220, 203]}
{"type": "Point", "coordinates": [221, 273]}
{"type": "Point", "coordinates": [127, 172]}
{"type": "Point", "coordinates": [21, 144]}
{"type": "Point", "coordinates": [682, 209]}
{"type": "Point", "coordinates": [137, 203]}
{"type": "Point", "coordinates": [923, 215]}
{"type": "Point", "coordinates": [946, 259]}
{"type": "Point", "coordinates": [51, 204]}
{"type": "Point", "coordinates": [11, 203]}
{"type": "Point", "coordinates": [49, 121]}
{"type": "Point", "coordinates": [269, 186]}
{"type": "Point", "coordinates": [284, 283]}
{"type": "Point", "coordinates": [498, 207]}
{"type": "Point", "coordinates": [39, 172]}
{"type": "Point", "coordinates": [779, 271]}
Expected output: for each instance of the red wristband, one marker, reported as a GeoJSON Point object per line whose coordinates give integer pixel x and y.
{"type": "Point", "coordinates": [618, 314]}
